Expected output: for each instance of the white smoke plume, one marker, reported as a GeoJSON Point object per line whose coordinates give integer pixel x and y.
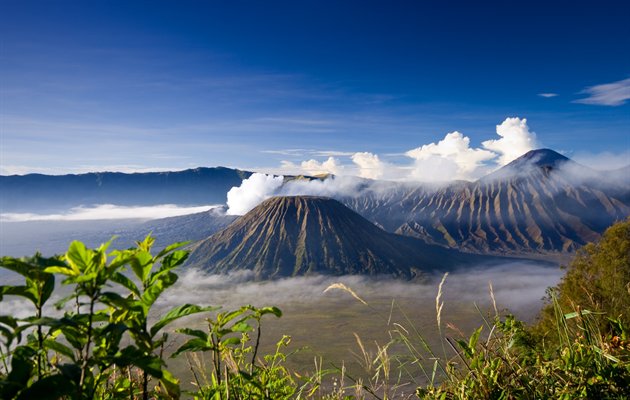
{"type": "Point", "coordinates": [252, 192]}
{"type": "Point", "coordinates": [260, 187]}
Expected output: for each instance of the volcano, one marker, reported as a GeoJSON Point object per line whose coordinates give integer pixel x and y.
{"type": "Point", "coordinates": [306, 235]}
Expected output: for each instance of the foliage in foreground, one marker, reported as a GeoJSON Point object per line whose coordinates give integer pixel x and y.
{"type": "Point", "coordinates": [598, 280]}
{"type": "Point", "coordinates": [106, 344]}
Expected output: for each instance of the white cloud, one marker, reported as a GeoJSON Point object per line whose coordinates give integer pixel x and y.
{"type": "Point", "coordinates": [607, 94]}
{"type": "Point", "coordinates": [603, 161]}
{"type": "Point", "coordinates": [314, 167]}
{"type": "Point", "coordinates": [108, 211]}
{"type": "Point", "coordinates": [370, 166]}
{"type": "Point", "coordinates": [547, 95]}
{"type": "Point", "coordinates": [450, 158]}
{"type": "Point", "coordinates": [516, 140]}
{"type": "Point", "coordinates": [251, 192]}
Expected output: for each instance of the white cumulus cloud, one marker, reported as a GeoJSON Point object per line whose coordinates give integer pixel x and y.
{"type": "Point", "coordinates": [251, 192]}
{"type": "Point", "coordinates": [450, 158]}
{"type": "Point", "coordinates": [370, 166]}
{"type": "Point", "coordinates": [314, 167]}
{"type": "Point", "coordinates": [516, 140]}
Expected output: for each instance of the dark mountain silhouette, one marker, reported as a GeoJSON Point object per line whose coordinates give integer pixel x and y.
{"type": "Point", "coordinates": [43, 193]}
{"type": "Point", "coordinates": [300, 235]}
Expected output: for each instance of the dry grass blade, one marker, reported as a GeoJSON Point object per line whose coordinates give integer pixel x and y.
{"type": "Point", "coordinates": [494, 301]}
{"type": "Point", "coordinates": [439, 304]}
{"type": "Point", "coordinates": [345, 288]}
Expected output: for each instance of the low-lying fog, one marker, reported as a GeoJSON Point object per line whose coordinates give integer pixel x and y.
{"type": "Point", "coordinates": [518, 286]}
{"type": "Point", "coordinates": [323, 324]}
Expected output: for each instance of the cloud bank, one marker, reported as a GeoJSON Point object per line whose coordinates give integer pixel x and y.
{"type": "Point", "coordinates": [450, 158]}
{"type": "Point", "coordinates": [519, 286]}
{"type": "Point", "coordinates": [108, 211]}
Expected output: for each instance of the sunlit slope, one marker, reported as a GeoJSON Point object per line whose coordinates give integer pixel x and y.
{"type": "Point", "coordinates": [290, 236]}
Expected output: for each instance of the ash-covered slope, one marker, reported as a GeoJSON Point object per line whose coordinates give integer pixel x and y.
{"type": "Point", "coordinates": [540, 202]}
{"type": "Point", "coordinates": [290, 236]}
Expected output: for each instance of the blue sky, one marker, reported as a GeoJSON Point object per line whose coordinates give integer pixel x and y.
{"type": "Point", "coordinates": [284, 86]}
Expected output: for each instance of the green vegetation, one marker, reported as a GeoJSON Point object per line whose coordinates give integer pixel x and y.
{"type": "Point", "coordinates": [598, 280]}
{"type": "Point", "coordinates": [105, 340]}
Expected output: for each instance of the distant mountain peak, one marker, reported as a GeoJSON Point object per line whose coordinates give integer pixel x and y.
{"type": "Point", "coordinates": [541, 158]}
{"type": "Point", "coordinates": [536, 162]}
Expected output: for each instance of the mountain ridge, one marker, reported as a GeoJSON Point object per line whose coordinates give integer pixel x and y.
{"type": "Point", "coordinates": [303, 235]}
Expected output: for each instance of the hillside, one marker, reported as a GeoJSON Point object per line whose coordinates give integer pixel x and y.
{"type": "Point", "coordinates": [301, 235]}
{"type": "Point", "coordinates": [540, 202]}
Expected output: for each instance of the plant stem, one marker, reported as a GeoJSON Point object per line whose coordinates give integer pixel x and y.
{"type": "Point", "coordinates": [40, 343]}
{"type": "Point", "coordinates": [86, 358]}
{"type": "Point", "coordinates": [256, 347]}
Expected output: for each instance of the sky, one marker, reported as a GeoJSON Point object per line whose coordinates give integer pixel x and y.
{"type": "Point", "coordinates": [405, 90]}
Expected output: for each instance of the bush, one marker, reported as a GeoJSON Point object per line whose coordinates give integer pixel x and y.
{"type": "Point", "coordinates": [598, 280]}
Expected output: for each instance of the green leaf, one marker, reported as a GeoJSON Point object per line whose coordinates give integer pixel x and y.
{"type": "Point", "coordinates": [193, 345]}
{"type": "Point", "coordinates": [21, 291]}
{"type": "Point", "coordinates": [171, 261]}
{"type": "Point", "coordinates": [142, 263]}
{"type": "Point", "coordinates": [176, 313]}
{"type": "Point", "coordinates": [59, 348]}
{"type": "Point", "coordinates": [47, 288]}
{"type": "Point", "coordinates": [193, 332]}
{"type": "Point", "coordinates": [154, 291]}
{"type": "Point", "coordinates": [126, 282]}
{"type": "Point", "coordinates": [21, 370]}
{"type": "Point", "coordinates": [50, 387]}
{"type": "Point", "coordinates": [131, 355]}
{"type": "Point", "coordinates": [241, 327]}
{"type": "Point", "coordinates": [15, 265]}
{"type": "Point", "coordinates": [78, 257]}
{"type": "Point", "coordinates": [227, 317]}
{"type": "Point", "coordinates": [170, 248]}
{"type": "Point", "coordinates": [270, 310]}
{"type": "Point", "coordinates": [233, 341]}
{"type": "Point", "coordinates": [472, 342]}
{"type": "Point", "coordinates": [608, 356]}
{"type": "Point", "coordinates": [62, 271]}
{"type": "Point", "coordinates": [464, 346]}
{"type": "Point", "coordinates": [8, 320]}
{"type": "Point", "coordinates": [576, 313]}
{"type": "Point", "coordinates": [115, 300]}
{"type": "Point", "coordinates": [171, 384]}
